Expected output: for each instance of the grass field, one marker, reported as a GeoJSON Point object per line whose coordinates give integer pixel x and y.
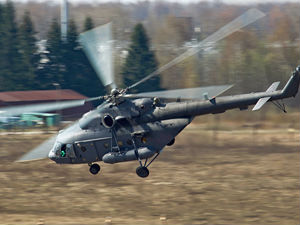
{"type": "Point", "coordinates": [239, 174]}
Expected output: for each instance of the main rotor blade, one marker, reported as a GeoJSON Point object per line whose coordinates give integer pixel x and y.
{"type": "Point", "coordinates": [199, 93]}
{"type": "Point", "coordinates": [98, 46]}
{"type": "Point", "coordinates": [40, 152]}
{"type": "Point", "coordinates": [245, 19]}
{"type": "Point", "coordinates": [43, 107]}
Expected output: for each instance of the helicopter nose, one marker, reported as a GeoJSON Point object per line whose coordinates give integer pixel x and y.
{"type": "Point", "coordinates": [51, 155]}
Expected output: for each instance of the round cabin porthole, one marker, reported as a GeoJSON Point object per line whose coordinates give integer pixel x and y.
{"type": "Point", "coordinates": [108, 121]}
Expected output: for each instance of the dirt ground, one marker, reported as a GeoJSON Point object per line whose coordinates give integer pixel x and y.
{"type": "Point", "coordinates": [239, 175]}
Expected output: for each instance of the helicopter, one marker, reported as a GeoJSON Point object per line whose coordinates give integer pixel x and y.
{"type": "Point", "coordinates": [137, 127]}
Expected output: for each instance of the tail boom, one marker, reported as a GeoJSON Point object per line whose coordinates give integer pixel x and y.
{"type": "Point", "coordinates": [222, 104]}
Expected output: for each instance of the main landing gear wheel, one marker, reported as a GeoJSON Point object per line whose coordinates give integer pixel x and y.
{"type": "Point", "coordinates": [142, 171]}
{"type": "Point", "coordinates": [94, 169]}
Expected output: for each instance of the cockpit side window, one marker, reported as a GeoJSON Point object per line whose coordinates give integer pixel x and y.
{"type": "Point", "coordinates": [70, 151]}
{"type": "Point", "coordinates": [64, 150]}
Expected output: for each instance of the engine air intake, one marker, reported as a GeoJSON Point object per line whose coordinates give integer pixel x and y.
{"type": "Point", "coordinates": [108, 121]}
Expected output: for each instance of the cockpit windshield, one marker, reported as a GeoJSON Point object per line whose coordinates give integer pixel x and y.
{"type": "Point", "coordinates": [64, 150]}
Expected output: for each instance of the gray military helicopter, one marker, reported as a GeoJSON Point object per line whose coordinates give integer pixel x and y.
{"type": "Point", "coordinates": [128, 127]}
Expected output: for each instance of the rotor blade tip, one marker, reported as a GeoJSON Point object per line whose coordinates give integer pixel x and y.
{"type": "Point", "coordinates": [257, 12]}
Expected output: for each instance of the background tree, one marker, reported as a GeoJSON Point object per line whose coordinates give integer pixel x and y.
{"type": "Point", "coordinates": [2, 57]}
{"type": "Point", "coordinates": [88, 24]}
{"type": "Point", "coordinates": [52, 70]}
{"type": "Point", "coordinates": [67, 64]}
{"type": "Point", "coordinates": [90, 83]}
{"type": "Point", "coordinates": [252, 58]}
{"type": "Point", "coordinates": [140, 62]}
{"type": "Point", "coordinates": [11, 58]}
{"type": "Point", "coordinates": [79, 75]}
{"type": "Point", "coordinates": [70, 59]}
{"type": "Point", "coordinates": [28, 52]}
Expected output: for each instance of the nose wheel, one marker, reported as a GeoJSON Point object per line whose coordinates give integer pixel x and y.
{"type": "Point", "coordinates": [94, 168]}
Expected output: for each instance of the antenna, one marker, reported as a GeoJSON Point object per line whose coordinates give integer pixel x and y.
{"type": "Point", "coordinates": [64, 20]}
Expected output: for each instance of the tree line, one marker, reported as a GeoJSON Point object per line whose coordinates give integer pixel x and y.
{"type": "Point", "coordinates": [252, 58]}
{"type": "Point", "coordinates": [25, 67]}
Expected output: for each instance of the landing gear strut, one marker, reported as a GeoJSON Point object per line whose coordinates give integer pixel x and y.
{"type": "Point", "coordinates": [142, 170]}
{"type": "Point", "coordinates": [94, 168]}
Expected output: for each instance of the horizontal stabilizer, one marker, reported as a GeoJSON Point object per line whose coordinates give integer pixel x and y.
{"type": "Point", "coordinates": [263, 101]}
{"type": "Point", "coordinates": [273, 87]}
{"type": "Point", "coordinates": [199, 93]}
{"type": "Point", "coordinates": [260, 103]}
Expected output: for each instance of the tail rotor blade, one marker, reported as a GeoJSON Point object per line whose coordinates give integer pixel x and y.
{"type": "Point", "coordinates": [245, 19]}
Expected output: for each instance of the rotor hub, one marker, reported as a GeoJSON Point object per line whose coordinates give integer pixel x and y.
{"type": "Point", "coordinates": [115, 92]}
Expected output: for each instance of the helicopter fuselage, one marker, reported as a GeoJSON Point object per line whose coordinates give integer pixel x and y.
{"type": "Point", "coordinates": [125, 129]}
{"type": "Point", "coordinates": [113, 133]}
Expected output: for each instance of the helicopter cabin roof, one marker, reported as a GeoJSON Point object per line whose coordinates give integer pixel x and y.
{"type": "Point", "coordinates": [40, 95]}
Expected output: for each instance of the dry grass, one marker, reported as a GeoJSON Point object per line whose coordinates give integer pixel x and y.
{"type": "Point", "coordinates": [243, 177]}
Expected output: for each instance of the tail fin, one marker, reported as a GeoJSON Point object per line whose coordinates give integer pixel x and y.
{"type": "Point", "coordinates": [292, 86]}
{"type": "Point", "coordinates": [290, 89]}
